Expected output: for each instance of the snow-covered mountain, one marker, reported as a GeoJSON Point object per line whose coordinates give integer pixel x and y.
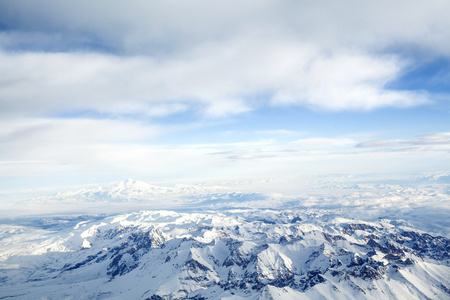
{"type": "Point", "coordinates": [139, 192]}
{"type": "Point", "coordinates": [126, 191]}
{"type": "Point", "coordinates": [421, 203]}
{"type": "Point", "coordinates": [328, 238]}
{"type": "Point", "coordinates": [231, 254]}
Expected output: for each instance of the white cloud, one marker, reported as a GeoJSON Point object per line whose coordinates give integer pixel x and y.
{"type": "Point", "coordinates": [142, 26]}
{"type": "Point", "coordinates": [64, 145]}
{"type": "Point", "coordinates": [317, 143]}
{"type": "Point", "coordinates": [214, 79]}
{"type": "Point", "coordinates": [441, 139]}
{"type": "Point", "coordinates": [116, 149]}
{"type": "Point", "coordinates": [349, 82]}
{"type": "Point", "coordinates": [272, 149]}
{"type": "Point", "coordinates": [221, 108]}
{"type": "Point", "coordinates": [74, 76]}
{"type": "Point", "coordinates": [217, 56]}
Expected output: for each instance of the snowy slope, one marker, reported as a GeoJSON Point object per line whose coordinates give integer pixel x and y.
{"type": "Point", "coordinates": [232, 254]}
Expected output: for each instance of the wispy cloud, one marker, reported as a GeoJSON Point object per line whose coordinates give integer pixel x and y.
{"type": "Point", "coordinates": [275, 149]}
{"type": "Point", "coordinates": [442, 139]}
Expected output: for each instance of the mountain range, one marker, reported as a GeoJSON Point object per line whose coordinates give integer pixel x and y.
{"type": "Point", "coordinates": [232, 254]}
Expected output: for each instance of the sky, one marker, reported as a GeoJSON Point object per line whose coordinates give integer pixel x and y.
{"type": "Point", "coordinates": [179, 91]}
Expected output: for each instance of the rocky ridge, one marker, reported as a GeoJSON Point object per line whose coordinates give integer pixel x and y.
{"type": "Point", "coordinates": [251, 254]}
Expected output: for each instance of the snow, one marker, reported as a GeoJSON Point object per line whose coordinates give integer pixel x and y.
{"type": "Point", "coordinates": [424, 202]}
{"type": "Point", "coordinates": [86, 244]}
{"type": "Point", "coordinates": [192, 248]}
{"type": "Point", "coordinates": [221, 244]}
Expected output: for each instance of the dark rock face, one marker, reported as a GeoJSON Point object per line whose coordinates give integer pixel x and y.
{"type": "Point", "coordinates": [90, 258]}
{"type": "Point", "coordinates": [295, 220]}
{"type": "Point", "coordinates": [195, 267]}
{"type": "Point", "coordinates": [351, 228]}
{"type": "Point", "coordinates": [125, 257]}
{"type": "Point", "coordinates": [370, 271]}
{"type": "Point", "coordinates": [425, 245]}
{"type": "Point", "coordinates": [236, 257]}
{"type": "Point", "coordinates": [333, 238]}
{"type": "Point", "coordinates": [307, 281]}
{"type": "Point", "coordinates": [158, 297]}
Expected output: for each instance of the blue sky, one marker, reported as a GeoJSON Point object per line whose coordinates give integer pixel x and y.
{"type": "Point", "coordinates": [199, 90]}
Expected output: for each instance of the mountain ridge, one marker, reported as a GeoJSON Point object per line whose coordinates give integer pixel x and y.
{"type": "Point", "coordinates": [244, 254]}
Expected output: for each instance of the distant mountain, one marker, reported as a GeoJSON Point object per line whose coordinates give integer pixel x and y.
{"type": "Point", "coordinates": [129, 190]}
{"type": "Point", "coordinates": [232, 254]}
{"type": "Point", "coordinates": [422, 202]}
{"type": "Point", "coordinates": [141, 192]}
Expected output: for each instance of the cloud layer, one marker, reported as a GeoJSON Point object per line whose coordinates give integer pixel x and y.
{"type": "Point", "coordinates": [162, 57]}
{"type": "Point", "coordinates": [91, 86]}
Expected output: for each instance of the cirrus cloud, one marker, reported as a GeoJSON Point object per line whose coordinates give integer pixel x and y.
{"type": "Point", "coordinates": [441, 139]}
